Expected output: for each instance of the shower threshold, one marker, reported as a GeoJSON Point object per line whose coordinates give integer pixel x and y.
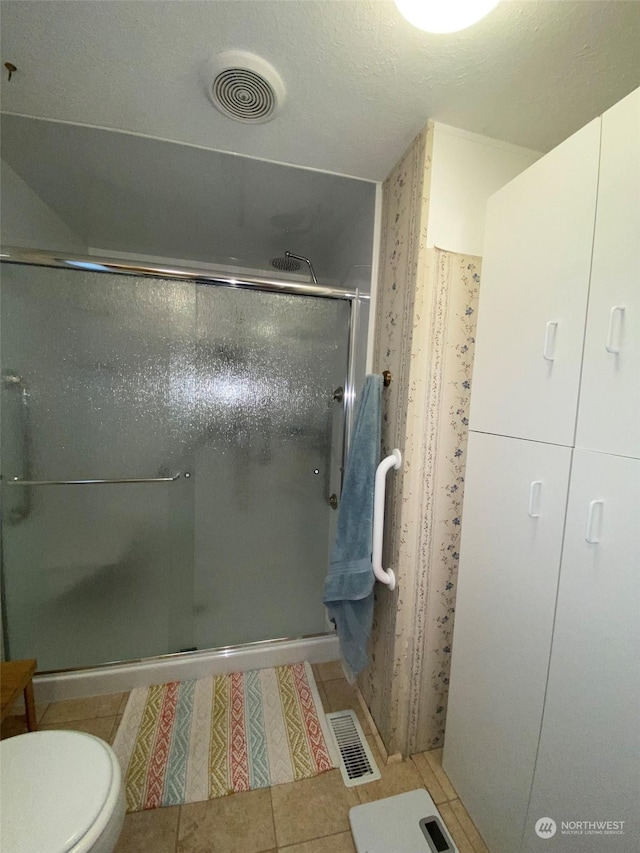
{"type": "Point", "coordinates": [121, 677]}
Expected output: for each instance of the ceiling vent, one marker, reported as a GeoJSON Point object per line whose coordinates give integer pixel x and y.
{"type": "Point", "coordinates": [245, 87]}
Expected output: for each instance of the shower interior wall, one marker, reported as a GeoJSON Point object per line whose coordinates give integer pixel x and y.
{"type": "Point", "coordinates": [126, 193]}
{"type": "Point", "coordinates": [28, 222]}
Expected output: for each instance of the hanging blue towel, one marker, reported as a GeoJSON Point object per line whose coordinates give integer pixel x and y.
{"type": "Point", "coordinates": [348, 588]}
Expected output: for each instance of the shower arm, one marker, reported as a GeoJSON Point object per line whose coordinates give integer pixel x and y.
{"type": "Point", "coordinates": [307, 262]}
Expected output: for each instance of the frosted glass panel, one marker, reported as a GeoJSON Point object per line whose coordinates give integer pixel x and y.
{"type": "Point", "coordinates": [268, 365]}
{"type": "Point", "coordinates": [95, 385]}
{"type": "Point", "coordinates": [108, 376]}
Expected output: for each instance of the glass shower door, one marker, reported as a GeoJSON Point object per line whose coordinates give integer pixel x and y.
{"type": "Point", "coordinates": [114, 377]}
{"type": "Point", "coordinates": [96, 372]}
{"type": "Point", "coordinates": [267, 459]}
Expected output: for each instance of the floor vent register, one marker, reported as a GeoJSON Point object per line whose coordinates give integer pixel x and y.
{"type": "Point", "coordinates": [357, 764]}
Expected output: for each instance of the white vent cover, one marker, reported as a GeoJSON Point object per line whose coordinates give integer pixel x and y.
{"type": "Point", "coordinates": [244, 87]}
{"type": "Point", "coordinates": [357, 764]}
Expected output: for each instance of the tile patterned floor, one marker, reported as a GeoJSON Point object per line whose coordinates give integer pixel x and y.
{"type": "Point", "coordinates": [311, 816]}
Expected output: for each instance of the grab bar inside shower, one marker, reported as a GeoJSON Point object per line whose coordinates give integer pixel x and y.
{"type": "Point", "coordinates": [16, 481]}
{"type": "Point", "coordinates": [13, 381]}
{"type": "Point", "coordinates": [393, 461]}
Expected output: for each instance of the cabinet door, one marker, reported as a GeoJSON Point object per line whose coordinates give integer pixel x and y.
{"type": "Point", "coordinates": [609, 413]}
{"type": "Point", "coordinates": [588, 767]}
{"type": "Point", "coordinates": [515, 497]}
{"type": "Point", "coordinates": [533, 295]}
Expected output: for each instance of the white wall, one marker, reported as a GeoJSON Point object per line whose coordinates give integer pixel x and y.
{"type": "Point", "coordinates": [25, 220]}
{"type": "Point", "coordinates": [466, 169]}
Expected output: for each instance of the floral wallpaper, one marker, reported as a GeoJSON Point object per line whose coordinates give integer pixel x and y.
{"type": "Point", "coordinates": [425, 327]}
{"type": "Point", "coordinates": [403, 210]}
{"type": "Point", "coordinates": [453, 318]}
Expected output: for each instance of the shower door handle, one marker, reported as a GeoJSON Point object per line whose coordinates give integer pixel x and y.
{"type": "Point", "coordinates": [12, 381]}
{"type": "Point", "coordinates": [16, 481]}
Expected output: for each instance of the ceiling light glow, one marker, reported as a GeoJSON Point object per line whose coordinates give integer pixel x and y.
{"type": "Point", "coordinates": [444, 16]}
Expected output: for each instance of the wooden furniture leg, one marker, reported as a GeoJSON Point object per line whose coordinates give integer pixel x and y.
{"type": "Point", "coordinates": [16, 678]}
{"type": "Point", "coordinates": [30, 706]}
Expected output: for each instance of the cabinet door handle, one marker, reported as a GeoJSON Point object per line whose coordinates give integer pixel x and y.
{"type": "Point", "coordinates": [593, 518]}
{"type": "Point", "coordinates": [610, 346]}
{"type": "Point", "coordinates": [549, 349]}
{"type": "Point", "coordinates": [534, 499]}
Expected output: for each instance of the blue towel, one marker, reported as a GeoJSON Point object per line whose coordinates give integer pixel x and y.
{"type": "Point", "coordinates": [348, 588]}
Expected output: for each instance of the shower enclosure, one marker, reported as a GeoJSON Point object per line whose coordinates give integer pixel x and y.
{"type": "Point", "coordinates": [170, 449]}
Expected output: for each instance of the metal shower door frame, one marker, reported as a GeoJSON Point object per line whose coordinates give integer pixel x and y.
{"type": "Point", "coordinates": [210, 277]}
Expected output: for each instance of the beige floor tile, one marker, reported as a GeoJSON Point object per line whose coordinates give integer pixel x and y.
{"type": "Point", "coordinates": [429, 778]}
{"type": "Point", "coordinates": [341, 843]}
{"type": "Point", "coordinates": [457, 832]}
{"type": "Point", "coordinates": [101, 727]}
{"type": "Point", "coordinates": [330, 670]}
{"type": "Point", "coordinates": [152, 831]}
{"type": "Point", "coordinates": [396, 778]}
{"type": "Point", "coordinates": [434, 758]}
{"type": "Point", "coordinates": [239, 823]}
{"type": "Point", "coordinates": [312, 808]}
{"type": "Point", "coordinates": [315, 668]}
{"type": "Point", "coordinates": [469, 827]}
{"type": "Point", "coordinates": [83, 709]}
{"type": "Point", "coordinates": [123, 704]}
{"type": "Point", "coordinates": [114, 730]}
{"type": "Point", "coordinates": [323, 697]}
{"type": "Point", "coordinates": [341, 696]}
{"type": "Point", "coordinates": [16, 724]}
{"type": "Point", "coordinates": [17, 708]}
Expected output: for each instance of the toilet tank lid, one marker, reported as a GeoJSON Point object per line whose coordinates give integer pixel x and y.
{"type": "Point", "coordinates": [54, 788]}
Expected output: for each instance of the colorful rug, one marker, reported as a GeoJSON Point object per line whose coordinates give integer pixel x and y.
{"type": "Point", "coordinates": [195, 740]}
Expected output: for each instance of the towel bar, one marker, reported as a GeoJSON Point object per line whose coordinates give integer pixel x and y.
{"type": "Point", "coordinates": [16, 481]}
{"type": "Point", "coordinates": [393, 461]}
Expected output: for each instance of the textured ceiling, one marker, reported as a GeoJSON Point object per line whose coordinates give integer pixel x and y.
{"type": "Point", "coordinates": [360, 80]}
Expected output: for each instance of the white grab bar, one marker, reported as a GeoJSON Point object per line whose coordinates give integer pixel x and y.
{"type": "Point", "coordinates": [393, 461]}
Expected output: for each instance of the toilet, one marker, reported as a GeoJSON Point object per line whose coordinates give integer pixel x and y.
{"type": "Point", "coordinates": [60, 792]}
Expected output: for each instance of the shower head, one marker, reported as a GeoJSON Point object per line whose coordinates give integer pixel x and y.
{"type": "Point", "coordinates": [285, 264]}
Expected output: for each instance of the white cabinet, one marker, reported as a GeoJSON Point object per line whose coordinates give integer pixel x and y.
{"type": "Point", "coordinates": [523, 683]}
{"type": "Point", "coordinates": [535, 276]}
{"type": "Point", "coordinates": [589, 761]}
{"type": "Point", "coordinates": [511, 544]}
{"type": "Point", "coordinates": [609, 413]}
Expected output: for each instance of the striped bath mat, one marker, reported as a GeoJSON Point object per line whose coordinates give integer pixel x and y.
{"type": "Point", "coordinates": [194, 740]}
